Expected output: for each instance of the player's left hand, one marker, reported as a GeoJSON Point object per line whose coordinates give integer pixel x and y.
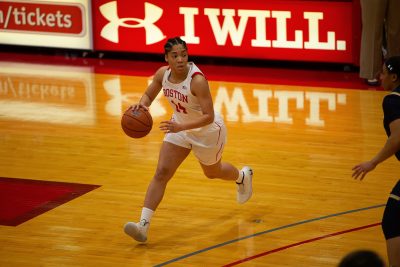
{"type": "Point", "coordinates": [360, 170]}
{"type": "Point", "coordinates": [170, 127]}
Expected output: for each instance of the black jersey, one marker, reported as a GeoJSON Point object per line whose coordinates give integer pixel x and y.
{"type": "Point", "coordinates": [391, 111]}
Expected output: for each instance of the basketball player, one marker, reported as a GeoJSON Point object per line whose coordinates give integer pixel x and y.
{"type": "Point", "coordinates": [194, 126]}
{"type": "Point", "coordinates": [390, 78]}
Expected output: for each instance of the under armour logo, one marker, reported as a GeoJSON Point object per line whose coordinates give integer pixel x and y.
{"type": "Point", "coordinates": [152, 14]}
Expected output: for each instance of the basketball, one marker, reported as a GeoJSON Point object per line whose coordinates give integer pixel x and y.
{"type": "Point", "coordinates": [136, 124]}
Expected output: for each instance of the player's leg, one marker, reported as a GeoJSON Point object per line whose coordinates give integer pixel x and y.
{"type": "Point", "coordinates": [170, 158]}
{"type": "Point", "coordinates": [227, 171]}
{"type": "Point", "coordinates": [391, 226]}
{"type": "Point", "coordinates": [208, 147]}
{"type": "Point", "coordinates": [220, 170]}
{"type": "Point", "coordinates": [208, 150]}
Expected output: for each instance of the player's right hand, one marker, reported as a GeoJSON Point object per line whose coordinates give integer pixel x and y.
{"type": "Point", "coordinates": [138, 106]}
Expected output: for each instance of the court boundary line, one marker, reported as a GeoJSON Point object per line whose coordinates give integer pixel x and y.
{"type": "Point", "coordinates": [300, 243]}
{"type": "Point", "coordinates": [265, 232]}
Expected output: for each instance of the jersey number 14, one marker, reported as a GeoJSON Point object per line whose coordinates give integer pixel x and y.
{"type": "Point", "coordinates": [179, 107]}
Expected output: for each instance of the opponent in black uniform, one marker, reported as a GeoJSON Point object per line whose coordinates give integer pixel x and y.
{"type": "Point", "coordinates": [391, 109]}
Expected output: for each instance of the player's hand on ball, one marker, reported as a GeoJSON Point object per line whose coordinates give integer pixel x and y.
{"type": "Point", "coordinates": [138, 106]}
{"type": "Point", "coordinates": [136, 121]}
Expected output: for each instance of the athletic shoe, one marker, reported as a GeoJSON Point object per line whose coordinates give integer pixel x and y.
{"type": "Point", "coordinates": [137, 231]}
{"type": "Point", "coordinates": [245, 188]}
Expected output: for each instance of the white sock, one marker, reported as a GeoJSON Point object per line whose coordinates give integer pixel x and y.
{"type": "Point", "coordinates": [146, 216]}
{"type": "Point", "coordinates": [240, 178]}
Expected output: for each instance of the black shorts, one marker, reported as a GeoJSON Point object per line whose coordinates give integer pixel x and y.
{"type": "Point", "coordinates": [391, 215]}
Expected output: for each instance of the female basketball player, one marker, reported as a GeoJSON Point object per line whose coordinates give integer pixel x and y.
{"type": "Point", "coordinates": [194, 127]}
{"type": "Point", "coordinates": [391, 110]}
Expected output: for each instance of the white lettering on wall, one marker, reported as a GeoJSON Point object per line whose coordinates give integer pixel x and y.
{"type": "Point", "coordinates": [281, 30]}
{"type": "Point", "coordinates": [228, 28]}
{"type": "Point", "coordinates": [188, 15]}
{"type": "Point", "coordinates": [313, 31]}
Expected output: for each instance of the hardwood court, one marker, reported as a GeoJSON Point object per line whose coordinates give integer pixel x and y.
{"type": "Point", "coordinates": [62, 124]}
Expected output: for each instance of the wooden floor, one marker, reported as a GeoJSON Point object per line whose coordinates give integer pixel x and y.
{"type": "Point", "coordinates": [62, 123]}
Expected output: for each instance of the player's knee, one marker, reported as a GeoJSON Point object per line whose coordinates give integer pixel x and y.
{"type": "Point", "coordinates": [163, 174]}
{"type": "Point", "coordinates": [211, 174]}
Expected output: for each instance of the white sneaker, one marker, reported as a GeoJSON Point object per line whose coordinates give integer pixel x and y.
{"type": "Point", "coordinates": [137, 231]}
{"type": "Point", "coordinates": [245, 188]}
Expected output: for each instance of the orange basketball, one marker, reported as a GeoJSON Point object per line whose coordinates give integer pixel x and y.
{"type": "Point", "coordinates": [136, 124]}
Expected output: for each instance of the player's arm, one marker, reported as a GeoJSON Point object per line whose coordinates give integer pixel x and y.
{"type": "Point", "coordinates": [391, 146]}
{"type": "Point", "coordinates": [153, 89]}
{"type": "Point", "coordinates": [200, 89]}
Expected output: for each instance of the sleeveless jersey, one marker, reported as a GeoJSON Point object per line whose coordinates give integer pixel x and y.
{"type": "Point", "coordinates": [391, 111]}
{"type": "Point", "coordinates": [185, 105]}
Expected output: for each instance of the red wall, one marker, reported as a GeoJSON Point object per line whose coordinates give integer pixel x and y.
{"type": "Point", "coordinates": [293, 30]}
{"type": "Point", "coordinates": [318, 31]}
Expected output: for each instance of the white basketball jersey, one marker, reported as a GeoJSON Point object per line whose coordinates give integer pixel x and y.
{"type": "Point", "coordinates": [185, 105]}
